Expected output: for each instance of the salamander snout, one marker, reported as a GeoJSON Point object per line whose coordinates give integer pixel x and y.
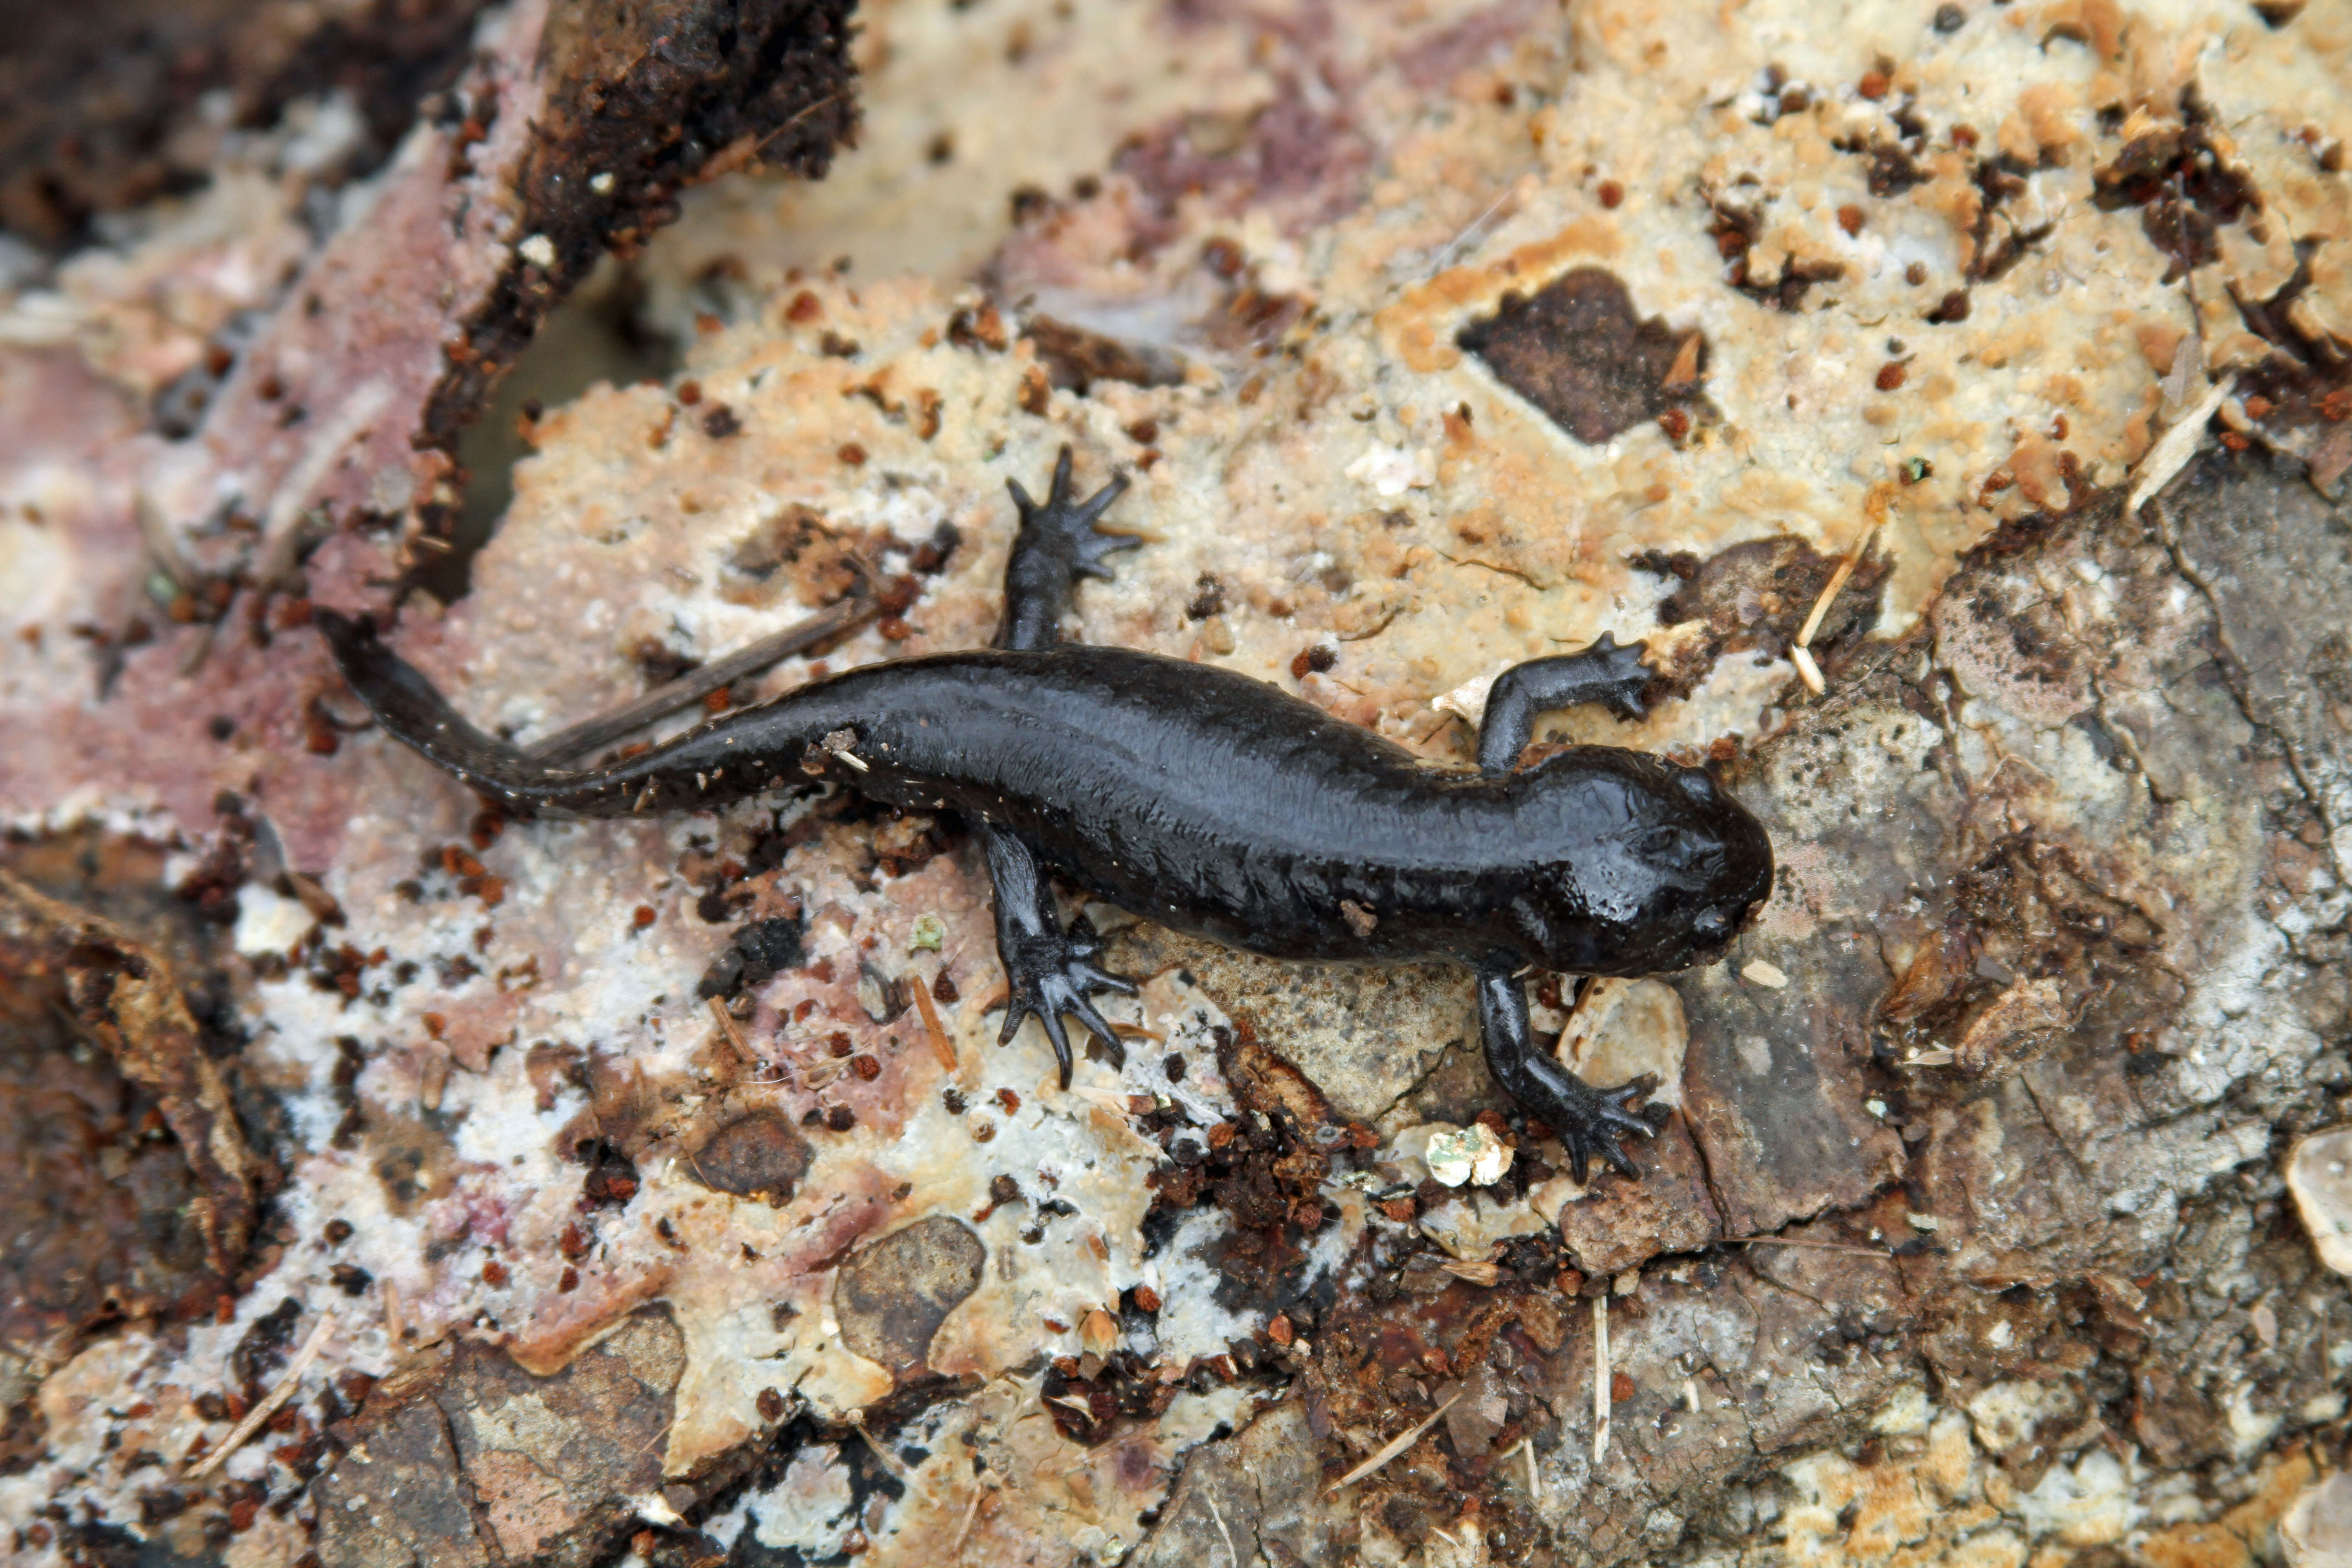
{"type": "Point", "coordinates": [1658, 868]}
{"type": "Point", "coordinates": [1710, 863]}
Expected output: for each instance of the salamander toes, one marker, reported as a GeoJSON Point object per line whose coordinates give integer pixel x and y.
{"type": "Point", "coordinates": [1628, 676]}
{"type": "Point", "coordinates": [1581, 1148]}
{"type": "Point", "coordinates": [1591, 1123]}
{"type": "Point", "coordinates": [1093, 549]}
{"type": "Point", "coordinates": [1616, 1108]}
{"type": "Point", "coordinates": [1053, 985]}
{"type": "Point", "coordinates": [1069, 524]}
{"type": "Point", "coordinates": [1093, 979]}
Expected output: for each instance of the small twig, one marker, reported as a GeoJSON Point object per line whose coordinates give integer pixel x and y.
{"type": "Point", "coordinates": [1829, 595]}
{"type": "Point", "coordinates": [971, 1512]}
{"type": "Point", "coordinates": [942, 1046]}
{"type": "Point", "coordinates": [1817, 1246]}
{"type": "Point", "coordinates": [1445, 254]}
{"type": "Point", "coordinates": [1232, 1558]}
{"type": "Point", "coordinates": [826, 101]}
{"type": "Point", "coordinates": [593, 734]}
{"type": "Point", "coordinates": [1600, 1377]}
{"type": "Point", "coordinates": [393, 1328]}
{"type": "Point", "coordinates": [889, 1461]}
{"type": "Point", "coordinates": [1390, 1449]}
{"type": "Point", "coordinates": [255, 1418]}
{"type": "Point", "coordinates": [163, 548]}
{"type": "Point", "coordinates": [734, 1036]}
{"type": "Point", "coordinates": [1534, 1482]}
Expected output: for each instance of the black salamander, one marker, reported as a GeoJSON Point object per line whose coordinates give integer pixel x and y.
{"type": "Point", "coordinates": [1214, 803]}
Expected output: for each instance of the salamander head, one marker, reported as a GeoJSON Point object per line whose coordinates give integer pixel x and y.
{"type": "Point", "coordinates": [1644, 867]}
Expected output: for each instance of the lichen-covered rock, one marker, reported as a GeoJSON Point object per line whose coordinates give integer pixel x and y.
{"type": "Point", "coordinates": [670, 1173]}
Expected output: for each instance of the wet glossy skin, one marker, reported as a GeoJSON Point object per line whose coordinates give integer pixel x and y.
{"type": "Point", "coordinates": [1211, 803]}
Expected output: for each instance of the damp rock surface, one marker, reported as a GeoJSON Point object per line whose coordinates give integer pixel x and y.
{"type": "Point", "coordinates": [659, 1190]}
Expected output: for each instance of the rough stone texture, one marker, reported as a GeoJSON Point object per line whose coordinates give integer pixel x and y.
{"type": "Point", "coordinates": [108, 108]}
{"type": "Point", "coordinates": [469, 1459]}
{"type": "Point", "coordinates": [1964, 1236]}
{"type": "Point", "coordinates": [892, 1295]}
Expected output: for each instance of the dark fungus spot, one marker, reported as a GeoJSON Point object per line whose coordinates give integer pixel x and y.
{"type": "Point", "coordinates": [1576, 350]}
{"type": "Point", "coordinates": [759, 952]}
{"type": "Point", "coordinates": [759, 1154]}
{"type": "Point", "coordinates": [1075, 358]}
{"type": "Point", "coordinates": [892, 1295]}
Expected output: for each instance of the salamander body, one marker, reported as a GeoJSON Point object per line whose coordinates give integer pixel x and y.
{"type": "Point", "coordinates": [1211, 803]}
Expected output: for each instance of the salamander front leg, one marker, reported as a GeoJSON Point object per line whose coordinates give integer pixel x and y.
{"type": "Point", "coordinates": [1057, 545]}
{"type": "Point", "coordinates": [1050, 970]}
{"type": "Point", "coordinates": [1608, 672]}
{"type": "Point", "coordinates": [1588, 1119]}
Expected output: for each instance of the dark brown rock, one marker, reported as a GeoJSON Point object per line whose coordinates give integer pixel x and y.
{"type": "Point", "coordinates": [892, 1295]}
{"type": "Point", "coordinates": [1775, 1083]}
{"type": "Point", "coordinates": [397, 1496]}
{"type": "Point", "coordinates": [1577, 350]}
{"type": "Point", "coordinates": [1620, 1224]}
{"type": "Point", "coordinates": [760, 1154]}
{"type": "Point", "coordinates": [470, 1459]}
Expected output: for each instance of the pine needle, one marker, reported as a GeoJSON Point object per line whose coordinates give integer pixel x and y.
{"type": "Point", "coordinates": [270, 1400]}
{"type": "Point", "coordinates": [1390, 1449]}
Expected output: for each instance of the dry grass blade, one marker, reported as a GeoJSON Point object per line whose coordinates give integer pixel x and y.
{"type": "Point", "coordinates": [277, 1396]}
{"type": "Point", "coordinates": [1816, 1246]}
{"type": "Point", "coordinates": [1232, 1558]}
{"type": "Point", "coordinates": [1829, 593]}
{"type": "Point", "coordinates": [1807, 670]}
{"type": "Point", "coordinates": [942, 1046]}
{"type": "Point", "coordinates": [2176, 447]}
{"type": "Point", "coordinates": [889, 1460]}
{"type": "Point", "coordinates": [1390, 1449]}
{"type": "Point", "coordinates": [971, 1512]}
{"type": "Point", "coordinates": [577, 741]}
{"type": "Point", "coordinates": [727, 1027]}
{"type": "Point", "coordinates": [1600, 1378]}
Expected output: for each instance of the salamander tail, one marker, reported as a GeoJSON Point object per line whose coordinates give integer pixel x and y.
{"type": "Point", "coordinates": [413, 712]}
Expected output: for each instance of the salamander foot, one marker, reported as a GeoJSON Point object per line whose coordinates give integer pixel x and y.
{"type": "Point", "coordinates": [1057, 545]}
{"type": "Point", "coordinates": [1590, 1122]}
{"type": "Point", "coordinates": [1588, 1119]}
{"type": "Point", "coordinates": [1609, 672]}
{"type": "Point", "coordinates": [1050, 974]}
{"type": "Point", "coordinates": [1067, 526]}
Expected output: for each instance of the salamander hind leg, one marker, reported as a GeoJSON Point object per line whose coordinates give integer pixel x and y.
{"type": "Point", "coordinates": [1051, 971]}
{"type": "Point", "coordinates": [1609, 672]}
{"type": "Point", "coordinates": [1057, 545]}
{"type": "Point", "coordinates": [1588, 1120]}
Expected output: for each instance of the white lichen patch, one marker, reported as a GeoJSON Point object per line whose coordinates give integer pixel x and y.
{"type": "Point", "coordinates": [2319, 1174]}
{"type": "Point", "coordinates": [1474, 1154]}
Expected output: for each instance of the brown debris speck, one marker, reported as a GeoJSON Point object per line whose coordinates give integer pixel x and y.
{"type": "Point", "coordinates": [1577, 350]}
{"type": "Point", "coordinates": [891, 1295]}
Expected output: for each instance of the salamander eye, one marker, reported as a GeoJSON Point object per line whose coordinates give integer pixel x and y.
{"type": "Point", "coordinates": [1698, 785]}
{"type": "Point", "coordinates": [1662, 844]}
